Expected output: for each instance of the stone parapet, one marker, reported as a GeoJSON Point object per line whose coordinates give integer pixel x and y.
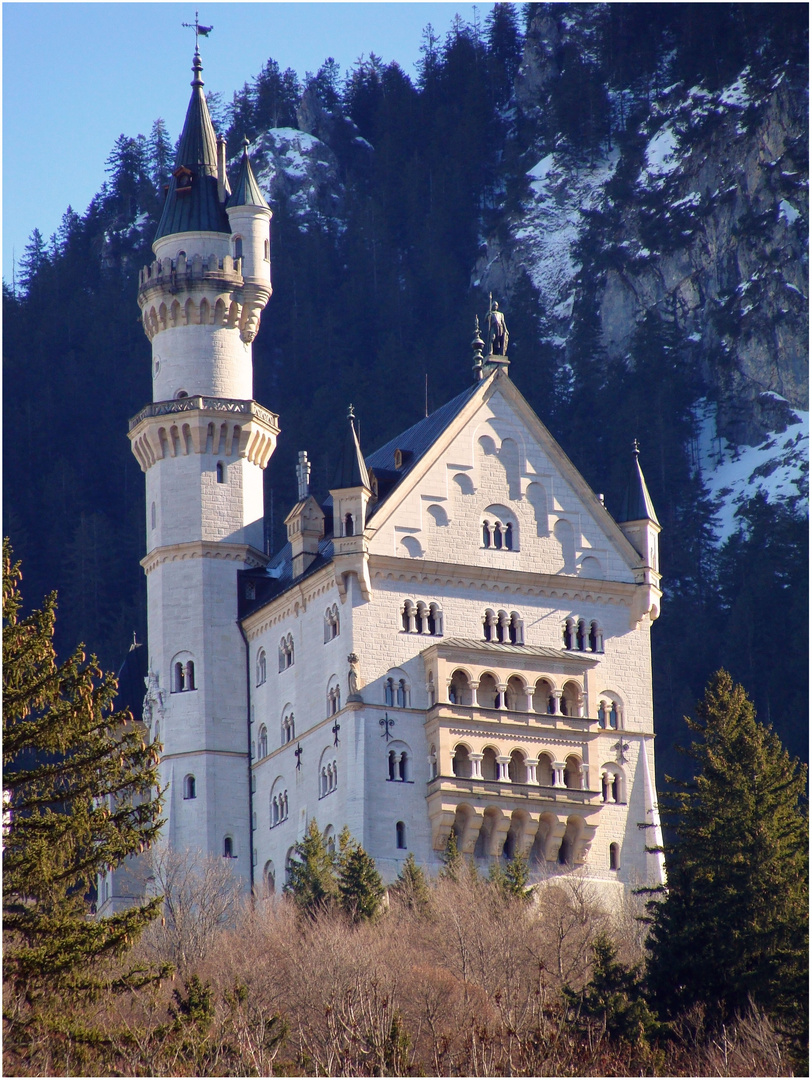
{"type": "Point", "coordinates": [197, 425]}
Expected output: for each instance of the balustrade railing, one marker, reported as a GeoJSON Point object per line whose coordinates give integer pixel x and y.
{"type": "Point", "coordinates": [209, 404]}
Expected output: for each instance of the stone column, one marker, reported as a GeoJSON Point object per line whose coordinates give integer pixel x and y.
{"type": "Point", "coordinates": [606, 781]}
{"type": "Point", "coordinates": [558, 773]}
{"type": "Point", "coordinates": [532, 765]}
{"type": "Point", "coordinates": [500, 701]}
{"type": "Point", "coordinates": [503, 763]}
{"type": "Point", "coordinates": [476, 766]}
{"type": "Point", "coordinates": [556, 697]}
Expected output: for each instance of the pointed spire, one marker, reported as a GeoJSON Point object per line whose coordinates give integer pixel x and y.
{"type": "Point", "coordinates": [246, 189]}
{"type": "Point", "coordinates": [192, 202]}
{"type": "Point", "coordinates": [352, 470]}
{"type": "Point", "coordinates": [637, 504]}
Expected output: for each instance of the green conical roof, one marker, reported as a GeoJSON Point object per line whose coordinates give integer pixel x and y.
{"type": "Point", "coordinates": [192, 201]}
{"type": "Point", "coordinates": [246, 190]}
{"type": "Point", "coordinates": [637, 504]}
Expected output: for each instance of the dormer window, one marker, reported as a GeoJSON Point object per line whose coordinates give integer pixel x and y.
{"type": "Point", "coordinates": [402, 458]}
{"type": "Point", "coordinates": [183, 180]}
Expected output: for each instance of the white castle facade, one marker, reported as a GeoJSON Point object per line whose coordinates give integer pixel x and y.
{"type": "Point", "coordinates": [455, 639]}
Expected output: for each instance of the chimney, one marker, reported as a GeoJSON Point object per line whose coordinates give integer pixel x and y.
{"type": "Point", "coordinates": [303, 475]}
{"type": "Point", "coordinates": [223, 186]}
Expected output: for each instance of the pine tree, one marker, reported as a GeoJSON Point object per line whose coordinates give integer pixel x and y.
{"type": "Point", "coordinates": [411, 888]}
{"type": "Point", "coordinates": [312, 882]}
{"type": "Point", "coordinates": [359, 883]}
{"type": "Point", "coordinates": [731, 929]}
{"type": "Point", "coordinates": [79, 797]}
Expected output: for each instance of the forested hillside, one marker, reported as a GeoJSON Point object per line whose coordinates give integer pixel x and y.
{"type": "Point", "coordinates": [631, 183]}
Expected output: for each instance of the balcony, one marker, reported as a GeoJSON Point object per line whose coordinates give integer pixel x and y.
{"type": "Point", "coordinates": [476, 714]}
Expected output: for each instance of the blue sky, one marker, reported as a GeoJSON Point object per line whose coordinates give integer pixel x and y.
{"type": "Point", "coordinates": [76, 76]}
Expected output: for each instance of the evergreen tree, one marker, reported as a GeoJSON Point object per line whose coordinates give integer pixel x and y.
{"type": "Point", "coordinates": [359, 883]}
{"type": "Point", "coordinates": [312, 882]}
{"type": "Point", "coordinates": [511, 879]}
{"type": "Point", "coordinates": [612, 999]}
{"type": "Point", "coordinates": [731, 928]}
{"type": "Point", "coordinates": [452, 859]}
{"type": "Point", "coordinates": [159, 157]}
{"type": "Point", "coordinates": [79, 797]}
{"type": "Point", "coordinates": [33, 261]}
{"type": "Point", "coordinates": [411, 888]}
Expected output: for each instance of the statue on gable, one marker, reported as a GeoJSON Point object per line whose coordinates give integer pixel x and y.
{"type": "Point", "coordinates": [498, 329]}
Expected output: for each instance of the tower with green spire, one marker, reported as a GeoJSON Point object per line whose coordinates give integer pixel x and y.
{"type": "Point", "coordinates": [203, 443]}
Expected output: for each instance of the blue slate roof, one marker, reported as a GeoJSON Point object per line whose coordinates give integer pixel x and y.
{"type": "Point", "coordinates": [415, 441]}
{"type": "Point", "coordinates": [637, 504]}
{"type": "Point", "coordinates": [192, 201]}
{"type": "Point", "coordinates": [246, 190]}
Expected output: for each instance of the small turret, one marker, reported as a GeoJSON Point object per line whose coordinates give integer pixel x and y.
{"type": "Point", "coordinates": [249, 217]}
{"type": "Point", "coordinates": [351, 492]}
{"type": "Point", "coordinates": [640, 526]}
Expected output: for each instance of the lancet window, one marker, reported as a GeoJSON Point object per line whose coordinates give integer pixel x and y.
{"type": "Point", "coordinates": [286, 652]}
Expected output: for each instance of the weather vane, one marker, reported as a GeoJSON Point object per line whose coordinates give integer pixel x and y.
{"type": "Point", "coordinates": [200, 31]}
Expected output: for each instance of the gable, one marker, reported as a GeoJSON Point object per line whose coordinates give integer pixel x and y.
{"type": "Point", "coordinates": [494, 489]}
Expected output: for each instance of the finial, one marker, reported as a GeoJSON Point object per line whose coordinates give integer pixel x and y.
{"type": "Point", "coordinates": [636, 448]}
{"type": "Point", "coordinates": [477, 345]}
{"type": "Point", "coordinates": [245, 144]}
{"type": "Point", "coordinates": [351, 412]}
{"type": "Point", "coordinates": [200, 31]}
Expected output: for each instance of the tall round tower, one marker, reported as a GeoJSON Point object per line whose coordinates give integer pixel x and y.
{"type": "Point", "coordinates": [203, 443]}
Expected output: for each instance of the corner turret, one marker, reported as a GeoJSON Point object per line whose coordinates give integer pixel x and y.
{"type": "Point", "coordinates": [640, 526]}
{"type": "Point", "coordinates": [249, 218]}
{"type": "Point", "coordinates": [305, 522]}
{"type": "Point", "coordinates": [351, 492]}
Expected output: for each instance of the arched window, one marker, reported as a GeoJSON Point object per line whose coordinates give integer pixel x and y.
{"type": "Point", "coordinates": [517, 770]}
{"type": "Point", "coordinates": [572, 773]}
{"type": "Point", "coordinates": [400, 835]}
{"type": "Point", "coordinates": [486, 534]}
{"type": "Point", "coordinates": [288, 729]}
{"type": "Point", "coordinates": [262, 667]}
{"type": "Point", "coordinates": [228, 847]}
{"type": "Point", "coordinates": [487, 694]}
{"type": "Point", "coordinates": [610, 713]}
{"type": "Point", "coordinates": [221, 473]}
{"type": "Point", "coordinates": [459, 691]}
{"type": "Point", "coordinates": [433, 762]}
{"type": "Point", "coordinates": [349, 525]}
{"type": "Point", "coordinates": [461, 762]}
{"type": "Point", "coordinates": [237, 247]}
{"type": "Point", "coordinates": [263, 742]}
{"type": "Point", "coordinates": [613, 784]}
{"type": "Point", "coordinates": [183, 673]}
{"type": "Point", "coordinates": [189, 787]}
{"type": "Point", "coordinates": [333, 699]}
{"type": "Point", "coordinates": [542, 695]}
{"type": "Point", "coordinates": [331, 624]}
{"type": "Point", "coordinates": [389, 692]}
{"type": "Point", "coordinates": [402, 694]}
{"type": "Point", "coordinates": [489, 765]}
{"type": "Point", "coordinates": [545, 770]}
{"type": "Point", "coordinates": [614, 856]}
{"type": "Point", "coordinates": [267, 251]}
{"type": "Point", "coordinates": [286, 652]}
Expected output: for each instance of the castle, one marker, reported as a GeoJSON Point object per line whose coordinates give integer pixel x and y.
{"type": "Point", "coordinates": [456, 638]}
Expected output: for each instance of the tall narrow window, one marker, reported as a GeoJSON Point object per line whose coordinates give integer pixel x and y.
{"type": "Point", "coordinates": [400, 835]}
{"type": "Point", "coordinates": [614, 857]}
{"type": "Point", "coordinates": [228, 848]}
{"type": "Point", "coordinates": [221, 473]}
{"type": "Point", "coordinates": [189, 788]}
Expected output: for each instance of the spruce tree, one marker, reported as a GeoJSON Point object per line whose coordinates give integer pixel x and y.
{"type": "Point", "coordinates": [79, 790]}
{"type": "Point", "coordinates": [411, 888]}
{"type": "Point", "coordinates": [312, 882]}
{"type": "Point", "coordinates": [359, 884]}
{"type": "Point", "coordinates": [731, 929]}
